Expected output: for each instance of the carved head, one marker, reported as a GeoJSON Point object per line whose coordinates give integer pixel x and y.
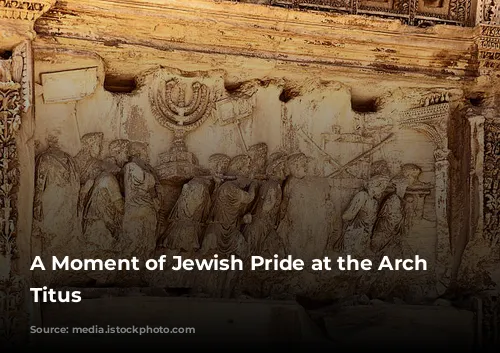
{"type": "Point", "coordinates": [377, 184]}
{"type": "Point", "coordinates": [271, 200]}
{"type": "Point", "coordinates": [277, 167]}
{"type": "Point", "coordinates": [380, 168]}
{"type": "Point", "coordinates": [92, 144]}
{"type": "Point", "coordinates": [52, 141]}
{"type": "Point", "coordinates": [218, 164]}
{"type": "Point", "coordinates": [411, 172]}
{"type": "Point", "coordinates": [138, 150]}
{"type": "Point", "coordinates": [240, 166]}
{"type": "Point", "coordinates": [258, 154]}
{"type": "Point", "coordinates": [194, 194]}
{"type": "Point", "coordinates": [298, 165]}
{"type": "Point", "coordinates": [119, 149]}
{"type": "Point", "coordinates": [407, 176]}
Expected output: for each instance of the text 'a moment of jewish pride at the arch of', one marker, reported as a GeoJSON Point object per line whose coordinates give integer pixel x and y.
{"type": "Point", "coordinates": [233, 263]}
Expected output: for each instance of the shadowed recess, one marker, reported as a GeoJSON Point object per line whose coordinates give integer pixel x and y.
{"type": "Point", "coordinates": [120, 84]}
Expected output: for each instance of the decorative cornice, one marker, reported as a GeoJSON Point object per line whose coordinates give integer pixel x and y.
{"type": "Point", "coordinates": [411, 12]}
{"type": "Point", "coordinates": [209, 29]}
{"type": "Point", "coordinates": [24, 10]}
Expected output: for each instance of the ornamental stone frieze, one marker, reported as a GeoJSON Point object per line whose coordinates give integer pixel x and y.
{"type": "Point", "coordinates": [15, 103]}
{"type": "Point", "coordinates": [17, 19]}
{"type": "Point", "coordinates": [24, 10]}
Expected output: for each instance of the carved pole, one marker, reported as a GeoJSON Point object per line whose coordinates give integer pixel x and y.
{"type": "Point", "coordinates": [476, 125]}
{"type": "Point", "coordinates": [443, 246]}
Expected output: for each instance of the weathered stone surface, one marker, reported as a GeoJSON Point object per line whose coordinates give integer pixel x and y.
{"type": "Point", "coordinates": [207, 127]}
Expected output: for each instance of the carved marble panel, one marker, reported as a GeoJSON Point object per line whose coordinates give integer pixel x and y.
{"type": "Point", "coordinates": [242, 172]}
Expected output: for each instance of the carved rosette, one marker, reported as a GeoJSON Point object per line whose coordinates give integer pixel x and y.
{"type": "Point", "coordinates": [491, 230]}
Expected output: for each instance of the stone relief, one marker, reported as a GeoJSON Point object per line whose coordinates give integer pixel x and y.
{"type": "Point", "coordinates": [258, 201]}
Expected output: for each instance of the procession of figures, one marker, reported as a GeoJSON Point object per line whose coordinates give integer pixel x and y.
{"type": "Point", "coordinates": [119, 207]}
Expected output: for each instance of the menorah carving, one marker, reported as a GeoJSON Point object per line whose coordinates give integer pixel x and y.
{"type": "Point", "coordinates": [181, 108]}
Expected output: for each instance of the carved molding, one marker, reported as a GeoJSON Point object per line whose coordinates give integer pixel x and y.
{"type": "Point", "coordinates": [15, 99]}
{"type": "Point", "coordinates": [10, 120]}
{"type": "Point", "coordinates": [431, 120]}
{"type": "Point", "coordinates": [491, 230]}
{"type": "Point", "coordinates": [24, 10]}
{"type": "Point", "coordinates": [411, 12]}
{"type": "Point", "coordinates": [489, 47]}
{"type": "Point", "coordinates": [488, 12]}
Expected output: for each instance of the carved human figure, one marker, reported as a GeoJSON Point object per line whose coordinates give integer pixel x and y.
{"type": "Point", "coordinates": [186, 221]}
{"type": "Point", "coordinates": [291, 212]}
{"type": "Point", "coordinates": [57, 186]}
{"type": "Point", "coordinates": [390, 225]}
{"type": "Point", "coordinates": [103, 204]}
{"type": "Point", "coordinates": [230, 203]}
{"type": "Point", "coordinates": [260, 234]}
{"type": "Point", "coordinates": [218, 164]}
{"type": "Point", "coordinates": [142, 202]}
{"type": "Point", "coordinates": [88, 160]}
{"type": "Point", "coordinates": [359, 217]}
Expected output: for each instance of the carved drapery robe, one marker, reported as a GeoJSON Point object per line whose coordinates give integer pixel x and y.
{"type": "Point", "coordinates": [305, 221]}
{"type": "Point", "coordinates": [230, 202]}
{"type": "Point", "coordinates": [186, 220]}
{"type": "Point", "coordinates": [55, 217]}
{"type": "Point", "coordinates": [389, 227]}
{"type": "Point", "coordinates": [88, 167]}
{"type": "Point", "coordinates": [261, 233]}
{"type": "Point", "coordinates": [141, 209]}
{"type": "Point", "coordinates": [56, 198]}
{"type": "Point", "coordinates": [103, 213]}
{"type": "Point", "coordinates": [361, 216]}
{"type": "Point", "coordinates": [387, 240]}
{"type": "Point", "coordinates": [223, 235]}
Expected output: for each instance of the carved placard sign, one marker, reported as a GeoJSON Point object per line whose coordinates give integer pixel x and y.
{"type": "Point", "coordinates": [68, 86]}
